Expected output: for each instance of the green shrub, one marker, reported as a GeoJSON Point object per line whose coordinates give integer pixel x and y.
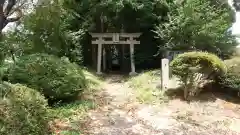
{"type": "Point", "coordinates": [4, 66]}
{"type": "Point", "coordinates": [187, 27]}
{"type": "Point", "coordinates": [233, 64]}
{"type": "Point", "coordinates": [231, 80]}
{"type": "Point", "coordinates": [23, 111]}
{"type": "Point", "coordinates": [57, 79]}
{"type": "Point", "coordinates": [201, 61]}
{"type": "Point", "coordinates": [196, 69]}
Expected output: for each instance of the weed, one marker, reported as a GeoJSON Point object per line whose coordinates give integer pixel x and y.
{"type": "Point", "coordinates": [145, 86]}
{"type": "Point", "coordinates": [78, 108]}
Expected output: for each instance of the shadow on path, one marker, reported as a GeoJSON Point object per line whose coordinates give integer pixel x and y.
{"type": "Point", "coordinates": [115, 114]}
{"type": "Point", "coordinates": [120, 114]}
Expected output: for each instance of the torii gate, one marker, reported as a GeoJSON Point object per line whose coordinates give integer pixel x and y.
{"type": "Point", "coordinates": [112, 39]}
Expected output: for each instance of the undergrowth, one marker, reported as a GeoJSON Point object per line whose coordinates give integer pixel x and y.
{"type": "Point", "coordinates": [94, 82]}
{"type": "Point", "coordinates": [146, 85]}
{"type": "Point", "coordinates": [72, 115]}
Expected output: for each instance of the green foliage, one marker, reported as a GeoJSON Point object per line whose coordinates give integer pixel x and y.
{"type": "Point", "coordinates": [231, 80]}
{"type": "Point", "coordinates": [129, 15]}
{"type": "Point", "coordinates": [233, 64]}
{"type": "Point", "coordinates": [46, 31]}
{"type": "Point", "coordinates": [198, 62]}
{"type": "Point", "coordinates": [197, 24]}
{"type": "Point", "coordinates": [70, 132]}
{"type": "Point", "coordinates": [7, 49]}
{"type": "Point", "coordinates": [117, 15]}
{"type": "Point", "coordinates": [69, 111]}
{"type": "Point", "coordinates": [145, 87]}
{"type": "Point", "coordinates": [61, 28]}
{"type": "Point", "coordinates": [57, 78]}
{"type": "Point", "coordinates": [196, 69]}
{"type": "Point", "coordinates": [23, 111]}
{"type": "Point", "coordinates": [93, 82]}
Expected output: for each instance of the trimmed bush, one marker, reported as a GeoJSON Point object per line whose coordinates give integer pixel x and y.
{"type": "Point", "coordinates": [23, 111]}
{"type": "Point", "coordinates": [196, 69]}
{"type": "Point", "coordinates": [201, 61]}
{"type": "Point", "coordinates": [57, 79]}
{"type": "Point", "coordinates": [231, 80]}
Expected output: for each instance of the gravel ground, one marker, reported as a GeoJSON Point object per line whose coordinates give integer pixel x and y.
{"type": "Point", "coordinates": [120, 114]}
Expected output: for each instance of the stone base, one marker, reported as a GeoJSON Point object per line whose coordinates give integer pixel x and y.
{"type": "Point", "coordinates": [132, 73]}
{"type": "Point", "coordinates": [99, 73]}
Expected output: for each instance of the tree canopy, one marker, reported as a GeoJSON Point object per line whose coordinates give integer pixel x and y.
{"type": "Point", "coordinates": [197, 24]}
{"type": "Point", "coordinates": [61, 28]}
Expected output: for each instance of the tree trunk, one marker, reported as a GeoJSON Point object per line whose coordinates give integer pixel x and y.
{"type": "Point", "coordinates": [194, 84]}
{"type": "Point", "coordinates": [2, 18]}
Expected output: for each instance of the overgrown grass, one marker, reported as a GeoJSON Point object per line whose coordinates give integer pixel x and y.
{"type": "Point", "coordinates": [70, 133]}
{"type": "Point", "coordinates": [94, 81]}
{"type": "Point", "coordinates": [72, 115]}
{"type": "Point", "coordinates": [68, 118]}
{"type": "Point", "coordinates": [73, 110]}
{"type": "Point", "coordinates": [146, 87]}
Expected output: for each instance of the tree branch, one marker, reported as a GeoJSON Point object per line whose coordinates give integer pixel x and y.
{"type": "Point", "coordinates": [1, 6]}
{"type": "Point", "coordinates": [14, 19]}
{"type": "Point", "coordinates": [5, 21]}
{"type": "Point", "coordinates": [13, 10]}
{"type": "Point", "coordinates": [9, 7]}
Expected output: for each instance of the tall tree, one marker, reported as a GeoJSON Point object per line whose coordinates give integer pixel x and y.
{"type": "Point", "coordinates": [197, 24]}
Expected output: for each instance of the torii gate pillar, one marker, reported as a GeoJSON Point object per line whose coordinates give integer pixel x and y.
{"type": "Point", "coordinates": [116, 39]}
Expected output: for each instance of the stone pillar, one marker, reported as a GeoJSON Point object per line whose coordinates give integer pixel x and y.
{"type": "Point", "coordinates": [165, 74]}
{"type": "Point", "coordinates": [104, 58]}
{"type": "Point", "coordinates": [99, 57]}
{"type": "Point", "coordinates": [133, 72]}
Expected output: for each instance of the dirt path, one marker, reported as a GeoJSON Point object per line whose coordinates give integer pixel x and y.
{"type": "Point", "coordinates": [116, 116]}
{"type": "Point", "coordinates": [121, 114]}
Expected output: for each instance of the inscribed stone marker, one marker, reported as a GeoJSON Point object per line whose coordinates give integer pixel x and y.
{"type": "Point", "coordinates": [165, 74]}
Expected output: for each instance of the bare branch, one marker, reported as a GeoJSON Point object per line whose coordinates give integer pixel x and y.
{"type": "Point", "coordinates": [14, 9]}
{"type": "Point", "coordinates": [9, 7]}
{"type": "Point", "coordinates": [17, 17]}
{"type": "Point", "coordinates": [11, 11]}
{"type": "Point", "coordinates": [1, 6]}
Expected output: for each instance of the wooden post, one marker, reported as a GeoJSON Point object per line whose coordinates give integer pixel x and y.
{"type": "Point", "coordinates": [165, 74]}
{"type": "Point", "coordinates": [133, 72]}
{"type": "Point", "coordinates": [122, 58]}
{"type": "Point", "coordinates": [94, 61]}
{"type": "Point", "coordinates": [109, 56]}
{"type": "Point", "coordinates": [104, 58]}
{"type": "Point", "coordinates": [99, 57]}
